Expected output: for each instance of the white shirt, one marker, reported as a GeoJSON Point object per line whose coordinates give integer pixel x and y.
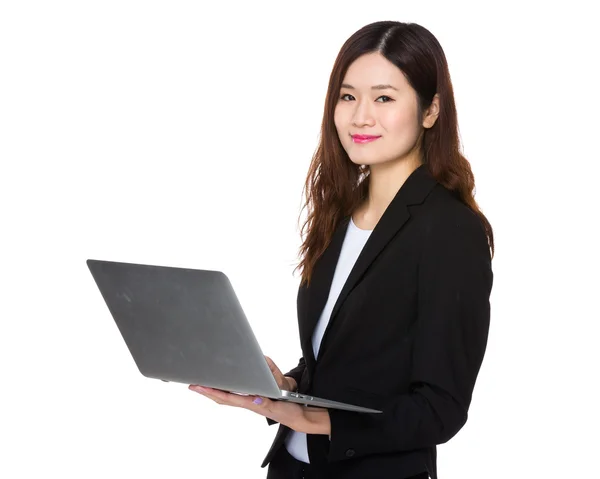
{"type": "Point", "coordinates": [354, 241]}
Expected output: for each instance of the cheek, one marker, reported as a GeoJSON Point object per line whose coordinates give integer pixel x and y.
{"type": "Point", "coordinates": [398, 121]}
{"type": "Point", "coordinates": [402, 126]}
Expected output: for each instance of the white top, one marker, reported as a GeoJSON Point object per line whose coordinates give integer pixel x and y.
{"type": "Point", "coordinates": [354, 241]}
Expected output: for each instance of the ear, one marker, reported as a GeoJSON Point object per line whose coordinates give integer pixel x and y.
{"type": "Point", "coordinates": [432, 113]}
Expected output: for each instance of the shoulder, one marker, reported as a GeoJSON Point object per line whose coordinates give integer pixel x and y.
{"type": "Point", "coordinates": [445, 217]}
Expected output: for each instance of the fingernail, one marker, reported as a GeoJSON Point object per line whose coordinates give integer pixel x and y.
{"type": "Point", "coordinates": [258, 401]}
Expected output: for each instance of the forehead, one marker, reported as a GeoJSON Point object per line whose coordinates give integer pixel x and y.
{"type": "Point", "coordinates": [374, 69]}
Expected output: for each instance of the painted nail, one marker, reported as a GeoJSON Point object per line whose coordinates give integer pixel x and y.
{"type": "Point", "coordinates": [258, 401]}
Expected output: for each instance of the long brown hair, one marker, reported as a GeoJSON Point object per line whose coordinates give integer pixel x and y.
{"type": "Point", "coordinates": [334, 185]}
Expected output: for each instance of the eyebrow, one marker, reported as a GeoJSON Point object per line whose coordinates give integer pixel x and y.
{"type": "Point", "coordinates": [375, 87]}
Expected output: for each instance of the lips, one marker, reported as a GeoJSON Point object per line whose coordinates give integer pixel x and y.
{"type": "Point", "coordinates": [364, 138]}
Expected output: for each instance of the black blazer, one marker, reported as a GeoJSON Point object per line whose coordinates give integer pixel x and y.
{"type": "Point", "coordinates": [407, 336]}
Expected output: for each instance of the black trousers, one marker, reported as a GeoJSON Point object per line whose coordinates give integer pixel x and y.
{"type": "Point", "coordinates": [285, 466]}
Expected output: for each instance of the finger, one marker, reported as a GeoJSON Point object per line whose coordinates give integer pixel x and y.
{"type": "Point", "coordinates": [215, 395]}
{"type": "Point", "coordinates": [260, 405]}
{"type": "Point", "coordinates": [272, 366]}
{"type": "Point", "coordinates": [256, 404]}
{"type": "Point", "coordinates": [206, 391]}
{"type": "Point", "coordinates": [270, 363]}
{"type": "Point", "coordinates": [223, 397]}
{"type": "Point", "coordinates": [199, 389]}
{"type": "Point", "coordinates": [253, 403]}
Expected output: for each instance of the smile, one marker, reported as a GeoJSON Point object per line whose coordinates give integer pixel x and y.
{"type": "Point", "coordinates": [364, 138]}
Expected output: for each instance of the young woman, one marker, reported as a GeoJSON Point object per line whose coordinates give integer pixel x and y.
{"type": "Point", "coordinates": [393, 306]}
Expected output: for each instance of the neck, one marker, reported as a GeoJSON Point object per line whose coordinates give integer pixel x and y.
{"type": "Point", "coordinates": [384, 182]}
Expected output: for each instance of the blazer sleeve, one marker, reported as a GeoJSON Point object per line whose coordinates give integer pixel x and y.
{"type": "Point", "coordinates": [295, 373]}
{"type": "Point", "coordinates": [451, 331]}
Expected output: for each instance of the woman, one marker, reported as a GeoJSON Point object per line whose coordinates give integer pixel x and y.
{"type": "Point", "coordinates": [393, 306]}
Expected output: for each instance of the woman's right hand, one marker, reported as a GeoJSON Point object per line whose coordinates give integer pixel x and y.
{"type": "Point", "coordinates": [285, 383]}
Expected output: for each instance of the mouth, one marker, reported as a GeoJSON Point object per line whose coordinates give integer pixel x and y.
{"type": "Point", "coordinates": [364, 138]}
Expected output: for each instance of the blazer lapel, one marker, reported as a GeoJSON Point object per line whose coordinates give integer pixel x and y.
{"type": "Point", "coordinates": [414, 191]}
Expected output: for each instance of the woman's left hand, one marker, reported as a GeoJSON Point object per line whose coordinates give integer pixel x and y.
{"type": "Point", "coordinates": [296, 417]}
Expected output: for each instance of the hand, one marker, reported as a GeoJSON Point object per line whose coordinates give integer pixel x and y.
{"type": "Point", "coordinates": [299, 418]}
{"type": "Point", "coordinates": [284, 382]}
{"type": "Point", "coordinates": [296, 417]}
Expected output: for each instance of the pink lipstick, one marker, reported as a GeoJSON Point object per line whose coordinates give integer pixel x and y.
{"type": "Point", "coordinates": [364, 138]}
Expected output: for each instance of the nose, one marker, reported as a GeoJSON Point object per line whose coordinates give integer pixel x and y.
{"type": "Point", "coordinates": [363, 115]}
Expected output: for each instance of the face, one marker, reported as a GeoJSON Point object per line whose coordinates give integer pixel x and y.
{"type": "Point", "coordinates": [376, 115]}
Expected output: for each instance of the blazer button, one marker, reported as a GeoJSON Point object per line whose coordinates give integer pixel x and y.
{"type": "Point", "coordinates": [350, 452]}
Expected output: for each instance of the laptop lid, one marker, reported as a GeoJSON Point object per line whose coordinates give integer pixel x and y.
{"type": "Point", "coordinates": [184, 325]}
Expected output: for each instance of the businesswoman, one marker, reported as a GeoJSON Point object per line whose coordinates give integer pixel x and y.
{"type": "Point", "coordinates": [393, 305]}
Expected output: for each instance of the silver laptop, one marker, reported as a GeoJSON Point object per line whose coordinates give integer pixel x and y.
{"type": "Point", "coordinates": [187, 326]}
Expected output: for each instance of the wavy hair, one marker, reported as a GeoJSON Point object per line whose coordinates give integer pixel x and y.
{"type": "Point", "coordinates": [335, 186]}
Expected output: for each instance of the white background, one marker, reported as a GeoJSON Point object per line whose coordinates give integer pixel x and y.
{"type": "Point", "coordinates": [180, 133]}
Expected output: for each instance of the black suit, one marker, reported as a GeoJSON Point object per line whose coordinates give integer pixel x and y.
{"type": "Point", "coordinates": [407, 336]}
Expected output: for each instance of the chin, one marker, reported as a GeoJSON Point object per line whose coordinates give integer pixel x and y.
{"type": "Point", "coordinates": [356, 162]}
{"type": "Point", "coordinates": [366, 161]}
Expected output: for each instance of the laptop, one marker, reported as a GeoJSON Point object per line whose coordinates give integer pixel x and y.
{"type": "Point", "coordinates": [187, 326]}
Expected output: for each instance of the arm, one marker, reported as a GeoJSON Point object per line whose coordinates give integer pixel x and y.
{"type": "Point", "coordinates": [455, 280]}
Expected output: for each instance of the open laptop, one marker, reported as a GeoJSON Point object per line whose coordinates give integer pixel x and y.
{"type": "Point", "coordinates": [187, 326]}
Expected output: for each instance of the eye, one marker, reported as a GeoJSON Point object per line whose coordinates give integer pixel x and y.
{"type": "Point", "coordinates": [385, 99]}
{"type": "Point", "coordinates": [343, 97]}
